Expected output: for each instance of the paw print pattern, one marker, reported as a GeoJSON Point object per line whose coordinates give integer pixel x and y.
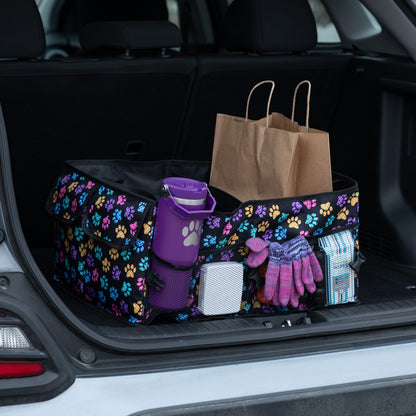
{"type": "Point", "coordinates": [326, 209]}
{"type": "Point", "coordinates": [121, 231]}
{"type": "Point", "coordinates": [274, 211]}
{"type": "Point", "coordinates": [263, 226]}
{"type": "Point", "coordinates": [114, 278]}
{"type": "Point", "coordinates": [130, 270]}
{"type": "Point", "coordinates": [190, 234]}
{"type": "Point", "coordinates": [342, 215]}
{"type": "Point", "coordinates": [100, 202]}
{"type": "Point", "coordinates": [311, 220]}
{"type": "Point", "coordinates": [294, 222]}
{"type": "Point", "coordinates": [249, 211]}
{"type": "Point", "coordinates": [138, 308]}
{"type": "Point", "coordinates": [232, 240]}
{"type": "Point", "coordinates": [353, 200]}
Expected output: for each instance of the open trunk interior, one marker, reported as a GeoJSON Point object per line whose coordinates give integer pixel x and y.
{"type": "Point", "coordinates": [154, 109]}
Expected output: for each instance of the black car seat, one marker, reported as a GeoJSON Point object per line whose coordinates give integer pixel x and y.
{"type": "Point", "coordinates": [80, 107]}
{"type": "Point", "coordinates": [264, 39]}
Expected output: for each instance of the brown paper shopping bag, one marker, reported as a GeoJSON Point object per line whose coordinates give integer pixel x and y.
{"type": "Point", "coordinates": [273, 157]}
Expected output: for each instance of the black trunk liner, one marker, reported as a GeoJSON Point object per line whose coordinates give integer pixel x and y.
{"type": "Point", "coordinates": [385, 293]}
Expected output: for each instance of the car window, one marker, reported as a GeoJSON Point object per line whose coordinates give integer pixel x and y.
{"type": "Point", "coordinates": [173, 11]}
{"type": "Point", "coordinates": [327, 32]}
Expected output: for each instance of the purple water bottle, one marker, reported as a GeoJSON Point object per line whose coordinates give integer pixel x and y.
{"type": "Point", "coordinates": [182, 206]}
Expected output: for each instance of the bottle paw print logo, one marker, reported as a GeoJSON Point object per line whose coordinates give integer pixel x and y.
{"type": "Point", "coordinates": [326, 209]}
{"type": "Point", "coordinates": [294, 222]}
{"type": "Point", "coordinates": [190, 234]}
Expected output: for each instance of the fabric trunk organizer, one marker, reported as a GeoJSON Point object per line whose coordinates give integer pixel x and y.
{"type": "Point", "coordinates": [104, 212]}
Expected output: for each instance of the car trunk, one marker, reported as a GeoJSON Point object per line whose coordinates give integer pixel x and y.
{"type": "Point", "coordinates": [372, 130]}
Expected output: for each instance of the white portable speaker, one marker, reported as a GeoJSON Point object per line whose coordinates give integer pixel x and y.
{"type": "Point", "coordinates": [220, 288]}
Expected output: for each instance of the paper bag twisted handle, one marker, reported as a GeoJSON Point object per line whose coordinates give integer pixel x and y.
{"type": "Point", "coordinates": [307, 102]}
{"type": "Point", "coordinates": [268, 102]}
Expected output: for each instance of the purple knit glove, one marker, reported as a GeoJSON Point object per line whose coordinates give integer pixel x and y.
{"type": "Point", "coordinates": [276, 258]}
{"type": "Point", "coordinates": [306, 268]}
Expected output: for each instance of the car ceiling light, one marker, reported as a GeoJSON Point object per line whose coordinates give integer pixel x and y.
{"type": "Point", "coordinates": [13, 338]}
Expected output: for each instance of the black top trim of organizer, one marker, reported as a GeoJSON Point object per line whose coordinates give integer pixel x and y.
{"type": "Point", "coordinates": [147, 197]}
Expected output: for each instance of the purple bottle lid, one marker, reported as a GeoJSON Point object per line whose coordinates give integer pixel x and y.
{"type": "Point", "coordinates": [186, 191]}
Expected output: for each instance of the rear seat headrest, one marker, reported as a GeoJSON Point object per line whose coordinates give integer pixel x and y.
{"type": "Point", "coordinates": [126, 35]}
{"type": "Point", "coordinates": [21, 30]}
{"type": "Point", "coordinates": [269, 26]}
{"type": "Point", "coordinates": [89, 11]}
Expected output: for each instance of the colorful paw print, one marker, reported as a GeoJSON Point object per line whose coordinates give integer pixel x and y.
{"type": "Point", "coordinates": [296, 207]}
{"type": "Point", "coordinates": [74, 205]}
{"type": "Point", "coordinates": [261, 211]}
{"type": "Point", "coordinates": [106, 265]}
{"type": "Point", "coordinates": [144, 264]}
{"type": "Point", "coordinates": [263, 226]}
{"type": "Point", "coordinates": [138, 308]}
{"type": "Point", "coordinates": [280, 233]}
{"type": "Point", "coordinates": [142, 206]}
{"type": "Point", "coordinates": [96, 219]}
{"type": "Point", "coordinates": [294, 222]}
{"type": "Point", "coordinates": [227, 229]}
{"type": "Point", "coordinates": [129, 213]}
{"type": "Point", "coordinates": [90, 243]}
{"type": "Point", "coordinates": [147, 228]}
{"type": "Point", "coordinates": [114, 254]}
{"type": "Point", "coordinates": [209, 240]}
{"type": "Point", "coordinates": [232, 240]}
{"type": "Point", "coordinates": [100, 202]}
{"type": "Point", "coordinates": [274, 211]}
{"type": "Point", "coordinates": [121, 200]}
{"type": "Point", "coordinates": [133, 228]}
{"type": "Point", "coordinates": [106, 223]}
{"type": "Point", "coordinates": [237, 215]}
{"type": "Point", "coordinates": [249, 211]}
{"type": "Point", "coordinates": [83, 250]}
{"type": "Point", "coordinates": [354, 199]}
{"type": "Point", "coordinates": [310, 203]}
{"type": "Point", "coordinates": [243, 251]}
{"type": "Point", "coordinates": [72, 186]}
{"type": "Point", "coordinates": [130, 270]}
{"type": "Point", "coordinates": [311, 220]}
{"type": "Point", "coordinates": [126, 289]}
{"type": "Point", "coordinates": [121, 231]}
{"type": "Point", "coordinates": [326, 209]}
{"type": "Point", "coordinates": [117, 215]}
{"type": "Point", "coordinates": [342, 215]}
{"type": "Point", "coordinates": [243, 226]}
{"type": "Point", "coordinates": [140, 283]}
{"type": "Point", "coordinates": [104, 282]}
